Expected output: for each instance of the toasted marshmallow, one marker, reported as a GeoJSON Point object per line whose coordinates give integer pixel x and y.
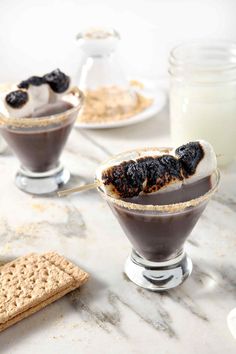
{"type": "Point", "coordinates": [198, 160]}
{"type": "Point", "coordinates": [40, 95]}
{"type": "Point", "coordinates": [146, 174]}
{"type": "Point", "coordinates": [59, 84]}
{"type": "Point", "coordinates": [175, 185]}
{"type": "Point", "coordinates": [37, 89]}
{"type": "Point", "coordinates": [19, 104]}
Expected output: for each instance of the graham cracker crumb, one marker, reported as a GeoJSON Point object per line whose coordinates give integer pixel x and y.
{"type": "Point", "coordinates": [109, 104]}
{"type": "Point", "coordinates": [39, 207]}
{"type": "Point", "coordinates": [27, 229]}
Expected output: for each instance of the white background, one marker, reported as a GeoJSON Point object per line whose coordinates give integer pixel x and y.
{"type": "Point", "coordinates": [37, 36]}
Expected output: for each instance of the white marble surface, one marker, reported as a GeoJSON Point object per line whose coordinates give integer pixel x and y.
{"type": "Point", "coordinates": [110, 315]}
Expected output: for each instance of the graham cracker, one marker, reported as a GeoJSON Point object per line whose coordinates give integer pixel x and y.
{"type": "Point", "coordinates": [32, 282]}
{"type": "Point", "coordinates": [34, 309]}
{"type": "Point", "coordinates": [59, 261]}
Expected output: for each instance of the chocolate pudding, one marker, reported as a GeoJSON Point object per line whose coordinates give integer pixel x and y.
{"type": "Point", "coordinates": [160, 236]}
{"type": "Point", "coordinates": [39, 148]}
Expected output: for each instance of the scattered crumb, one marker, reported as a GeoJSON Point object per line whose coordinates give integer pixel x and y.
{"type": "Point", "coordinates": [27, 229]}
{"type": "Point", "coordinates": [58, 337]}
{"type": "Point", "coordinates": [6, 248]}
{"type": "Point", "coordinates": [75, 325]}
{"type": "Point", "coordinates": [39, 207]}
{"type": "Point", "coordinates": [136, 83]}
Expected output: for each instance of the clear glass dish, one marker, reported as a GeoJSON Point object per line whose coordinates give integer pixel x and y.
{"type": "Point", "coordinates": [38, 144]}
{"type": "Point", "coordinates": [157, 232]}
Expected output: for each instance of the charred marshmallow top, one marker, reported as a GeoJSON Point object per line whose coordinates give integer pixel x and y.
{"type": "Point", "coordinates": [19, 104]}
{"type": "Point", "coordinates": [198, 160]}
{"type": "Point", "coordinates": [36, 92]}
{"type": "Point", "coordinates": [189, 163]}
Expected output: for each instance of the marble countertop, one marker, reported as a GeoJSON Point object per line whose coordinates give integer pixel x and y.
{"type": "Point", "coordinates": [110, 315]}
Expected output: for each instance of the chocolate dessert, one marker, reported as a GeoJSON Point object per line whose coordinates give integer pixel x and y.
{"type": "Point", "coordinates": [36, 120]}
{"type": "Point", "coordinates": [158, 237]}
{"type": "Point", "coordinates": [135, 186]}
{"type": "Point", "coordinates": [39, 147]}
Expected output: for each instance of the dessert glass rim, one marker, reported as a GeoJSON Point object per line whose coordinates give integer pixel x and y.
{"type": "Point", "coordinates": [45, 120]}
{"type": "Point", "coordinates": [166, 208]}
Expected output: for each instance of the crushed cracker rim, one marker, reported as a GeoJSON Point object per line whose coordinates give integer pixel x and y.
{"type": "Point", "coordinates": [47, 120]}
{"type": "Point", "coordinates": [167, 208]}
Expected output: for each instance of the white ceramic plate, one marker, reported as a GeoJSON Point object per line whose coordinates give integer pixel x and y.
{"type": "Point", "coordinates": [159, 100]}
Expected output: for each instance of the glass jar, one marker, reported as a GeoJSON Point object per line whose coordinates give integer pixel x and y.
{"type": "Point", "coordinates": [101, 76]}
{"type": "Point", "coordinates": [203, 96]}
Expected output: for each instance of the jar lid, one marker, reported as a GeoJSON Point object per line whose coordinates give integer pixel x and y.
{"type": "Point", "coordinates": [98, 41]}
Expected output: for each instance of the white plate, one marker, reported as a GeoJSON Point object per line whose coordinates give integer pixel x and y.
{"type": "Point", "coordinates": [159, 100]}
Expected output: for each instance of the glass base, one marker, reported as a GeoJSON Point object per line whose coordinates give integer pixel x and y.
{"type": "Point", "coordinates": [41, 183]}
{"type": "Point", "coordinates": [158, 276]}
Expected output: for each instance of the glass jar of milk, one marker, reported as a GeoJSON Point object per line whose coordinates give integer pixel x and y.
{"type": "Point", "coordinates": [203, 96]}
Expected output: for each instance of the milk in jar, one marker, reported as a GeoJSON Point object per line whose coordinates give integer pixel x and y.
{"type": "Point", "coordinates": [203, 96]}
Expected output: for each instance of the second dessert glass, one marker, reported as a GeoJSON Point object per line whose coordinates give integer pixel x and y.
{"type": "Point", "coordinates": [157, 232]}
{"type": "Point", "coordinates": [38, 144]}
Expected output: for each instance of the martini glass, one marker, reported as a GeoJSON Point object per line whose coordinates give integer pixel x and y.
{"type": "Point", "coordinates": [157, 232]}
{"type": "Point", "coordinates": [38, 144]}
